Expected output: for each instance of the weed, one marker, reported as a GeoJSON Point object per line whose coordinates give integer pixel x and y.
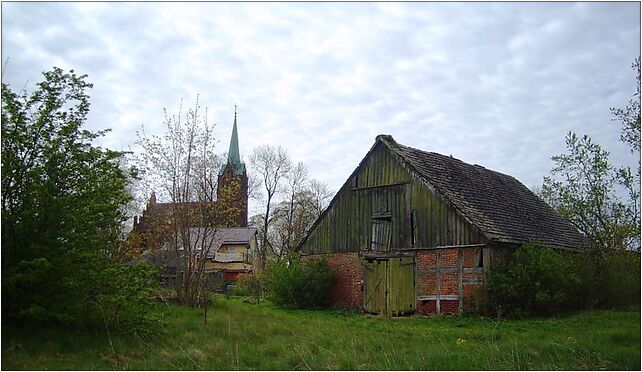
{"type": "Point", "coordinates": [242, 336]}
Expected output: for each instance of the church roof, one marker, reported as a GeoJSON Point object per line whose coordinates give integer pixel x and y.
{"type": "Point", "coordinates": [233, 155]}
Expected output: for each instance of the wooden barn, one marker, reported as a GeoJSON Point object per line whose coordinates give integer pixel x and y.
{"type": "Point", "coordinates": [414, 232]}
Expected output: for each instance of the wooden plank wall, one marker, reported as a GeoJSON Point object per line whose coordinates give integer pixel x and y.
{"type": "Point", "coordinates": [385, 184]}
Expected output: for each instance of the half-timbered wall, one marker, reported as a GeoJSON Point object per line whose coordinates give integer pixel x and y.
{"type": "Point", "coordinates": [384, 188]}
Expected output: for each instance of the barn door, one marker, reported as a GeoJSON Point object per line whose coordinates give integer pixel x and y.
{"type": "Point", "coordinates": [389, 286]}
{"type": "Point", "coordinates": [401, 286]}
{"type": "Point", "coordinates": [375, 283]}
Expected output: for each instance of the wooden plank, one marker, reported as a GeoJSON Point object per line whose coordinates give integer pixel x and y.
{"type": "Point", "coordinates": [390, 290]}
{"type": "Point", "coordinates": [451, 270]}
{"type": "Point", "coordinates": [408, 213]}
{"type": "Point", "coordinates": [379, 186]}
{"type": "Point", "coordinates": [438, 281]}
{"type": "Point", "coordinates": [426, 206]}
{"type": "Point", "coordinates": [434, 298]}
{"type": "Point", "coordinates": [420, 248]}
{"type": "Point", "coordinates": [460, 259]}
{"type": "Point", "coordinates": [487, 263]}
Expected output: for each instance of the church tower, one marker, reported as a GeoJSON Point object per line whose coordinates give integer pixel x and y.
{"type": "Point", "coordinates": [231, 191]}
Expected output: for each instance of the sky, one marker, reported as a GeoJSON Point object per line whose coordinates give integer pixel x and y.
{"type": "Point", "coordinates": [494, 84]}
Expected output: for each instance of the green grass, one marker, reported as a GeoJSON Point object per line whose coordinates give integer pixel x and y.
{"type": "Point", "coordinates": [242, 336]}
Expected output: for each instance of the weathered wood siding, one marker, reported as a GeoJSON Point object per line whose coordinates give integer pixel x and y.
{"type": "Point", "coordinates": [389, 286]}
{"type": "Point", "coordinates": [419, 216]}
{"type": "Point", "coordinates": [437, 223]}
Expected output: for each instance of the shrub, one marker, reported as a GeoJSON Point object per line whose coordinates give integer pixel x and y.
{"type": "Point", "coordinates": [617, 280]}
{"type": "Point", "coordinates": [250, 284]}
{"type": "Point", "coordinates": [291, 283]}
{"type": "Point", "coordinates": [534, 280]}
{"type": "Point", "coordinates": [537, 280]}
{"type": "Point", "coordinates": [63, 207]}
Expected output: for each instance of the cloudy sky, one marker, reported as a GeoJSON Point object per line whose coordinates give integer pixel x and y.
{"type": "Point", "coordinates": [496, 84]}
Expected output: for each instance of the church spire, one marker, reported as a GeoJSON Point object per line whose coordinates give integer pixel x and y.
{"type": "Point", "coordinates": [233, 156]}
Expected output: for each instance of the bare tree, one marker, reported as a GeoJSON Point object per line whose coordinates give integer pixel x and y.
{"type": "Point", "coordinates": [182, 167]}
{"type": "Point", "coordinates": [320, 196]}
{"type": "Point", "coordinates": [288, 213]}
{"type": "Point", "coordinates": [303, 202]}
{"type": "Point", "coordinates": [272, 164]}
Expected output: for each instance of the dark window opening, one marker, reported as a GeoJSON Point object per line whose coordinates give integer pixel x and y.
{"type": "Point", "coordinates": [381, 234]}
{"type": "Point", "coordinates": [480, 257]}
{"type": "Point", "coordinates": [412, 229]}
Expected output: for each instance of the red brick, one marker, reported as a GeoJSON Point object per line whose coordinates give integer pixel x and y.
{"type": "Point", "coordinates": [426, 307]}
{"type": "Point", "coordinates": [470, 257]}
{"type": "Point", "coordinates": [449, 307]}
{"type": "Point", "coordinates": [449, 258]}
{"type": "Point", "coordinates": [347, 291]}
{"type": "Point", "coordinates": [426, 284]}
{"type": "Point", "coordinates": [426, 260]}
{"type": "Point", "coordinates": [449, 284]}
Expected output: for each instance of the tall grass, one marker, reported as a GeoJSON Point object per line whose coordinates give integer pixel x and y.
{"type": "Point", "coordinates": [243, 336]}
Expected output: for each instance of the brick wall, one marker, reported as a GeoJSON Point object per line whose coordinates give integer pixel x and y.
{"type": "Point", "coordinates": [428, 285]}
{"type": "Point", "coordinates": [426, 307]}
{"type": "Point", "coordinates": [426, 259]}
{"type": "Point", "coordinates": [347, 291]}
{"type": "Point", "coordinates": [449, 307]}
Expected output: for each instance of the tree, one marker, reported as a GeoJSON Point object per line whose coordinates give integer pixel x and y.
{"type": "Point", "coordinates": [583, 188]}
{"type": "Point", "coordinates": [292, 201]}
{"type": "Point", "coordinates": [291, 210]}
{"type": "Point", "coordinates": [629, 116]}
{"type": "Point", "coordinates": [320, 196]}
{"type": "Point", "coordinates": [587, 190]}
{"type": "Point", "coordinates": [62, 209]}
{"type": "Point", "coordinates": [294, 215]}
{"type": "Point", "coordinates": [272, 165]}
{"type": "Point", "coordinates": [183, 167]}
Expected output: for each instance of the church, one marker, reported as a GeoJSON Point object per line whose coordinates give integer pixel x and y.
{"type": "Point", "coordinates": [234, 244]}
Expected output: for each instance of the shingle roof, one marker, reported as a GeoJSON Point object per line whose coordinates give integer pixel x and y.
{"type": "Point", "coordinates": [232, 235]}
{"type": "Point", "coordinates": [162, 212]}
{"type": "Point", "coordinates": [499, 205]}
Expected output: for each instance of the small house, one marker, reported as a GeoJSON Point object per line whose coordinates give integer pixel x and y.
{"type": "Point", "coordinates": [233, 252]}
{"type": "Point", "coordinates": [412, 231]}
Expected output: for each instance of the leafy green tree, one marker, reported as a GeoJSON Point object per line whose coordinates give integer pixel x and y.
{"type": "Point", "coordinates": [601, 200]}
{"type": "Point", "coordinates": [629, 116]}
{"type": "Point", "coordinates": [583, 188]}
{"type": "Point", "coordinates": [62, 201]}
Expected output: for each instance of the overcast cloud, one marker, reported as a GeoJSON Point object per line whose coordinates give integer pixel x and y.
{"type": "Point", "coordinates": [496, 84]}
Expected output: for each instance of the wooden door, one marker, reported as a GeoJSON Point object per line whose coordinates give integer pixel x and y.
{"type": "Point", "coordinates": [375, 283]}
{"type": "Point", "coordinates": [389, 285]}
{"type": "Point", "coordinates": [401, 286]}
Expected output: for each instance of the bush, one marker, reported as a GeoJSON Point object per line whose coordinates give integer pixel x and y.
{"type": "Point", "coordinates": [291, 283]}
{"type": "Point", "coordinates": [63, 202]}
{"type": "Point", "coordinates": [534, 280]}
{"type": "Point", "coordinates": [616, 281]}
{"type": "Point", "coordinates": [250, 284]}
{"type": "Point", "coordinates": [537, 280]}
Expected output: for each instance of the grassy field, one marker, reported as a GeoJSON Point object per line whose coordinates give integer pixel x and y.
{"type": "Point", "coordinates": [242, 336]}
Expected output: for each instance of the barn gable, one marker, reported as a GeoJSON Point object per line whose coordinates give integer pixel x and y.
{"type": "Point", "coordinates": [427, 200]}
{"type": "Point", "coordinates": [386, 205]}
{"type": "Point", "coordinates": [499, 205]}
